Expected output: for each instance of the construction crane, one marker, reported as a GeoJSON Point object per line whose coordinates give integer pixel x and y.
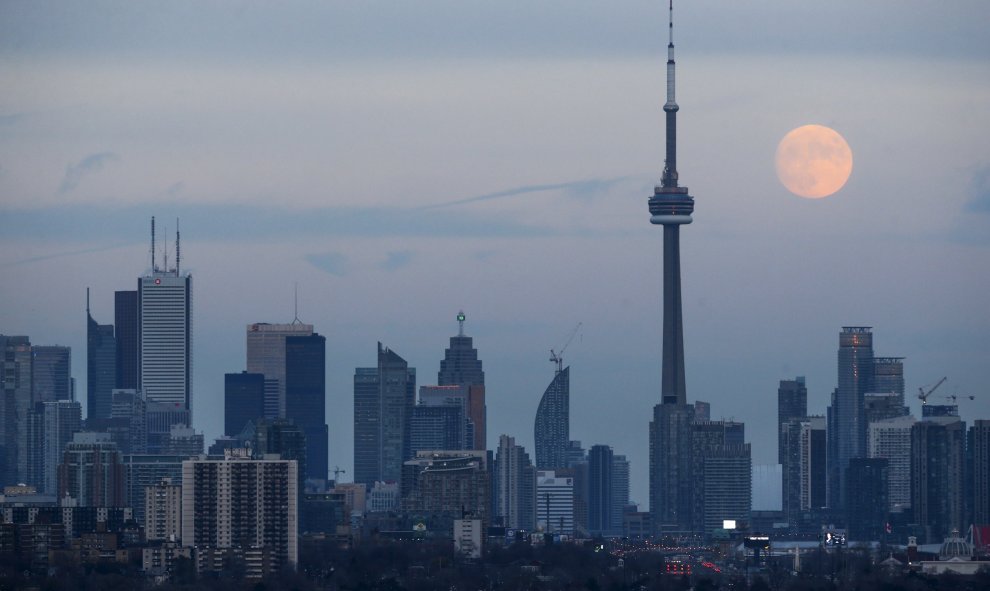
{"type": "Point", "coordinates": [337, 471]}
{"type": "Point", "coordinates": [923, 396]}
{"type": "Point", "coordinates": [558, 358]}
{"type": "Point", "coordinates": [953, 398]}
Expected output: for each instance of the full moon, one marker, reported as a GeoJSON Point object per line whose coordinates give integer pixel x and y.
{"type": "Point", "coordinates": [813, 161]}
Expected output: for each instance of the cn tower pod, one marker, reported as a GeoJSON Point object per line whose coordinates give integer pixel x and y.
{"type": "Point", "coordinates": [671, 205]}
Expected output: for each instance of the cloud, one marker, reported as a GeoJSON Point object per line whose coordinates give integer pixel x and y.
{"type": "Point", "coordinates": [89, 164]}
{"type": "Point", "coordinates": [58, 255]}
{"type": "Point", "coordinates": [979, 191]}
{"type": "Point", "coordinates": [431, 28]}
{"type": "Point", "coordinates": [584, 189]}
{"type": "Point", "coordinates": [11, 118]}
{"type": "Point", "coordinates": [174, 189]}
{"type": "Point", "coordinates": [397, 260]}
{"type": "Point", "coordinates": [224, 222]}
{"type": "Point", "coordinates": [334, 263]}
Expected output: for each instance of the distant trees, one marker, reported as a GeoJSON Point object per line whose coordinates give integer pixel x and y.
{"type": "Point", "coordinates": [427, 565]}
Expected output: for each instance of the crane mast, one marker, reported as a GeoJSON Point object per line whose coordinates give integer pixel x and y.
{"type": "Point", "coordinates": [558, 358]}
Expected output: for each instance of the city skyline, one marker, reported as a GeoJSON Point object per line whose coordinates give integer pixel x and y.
{"type": "Point", "coordinates": [542, 146]}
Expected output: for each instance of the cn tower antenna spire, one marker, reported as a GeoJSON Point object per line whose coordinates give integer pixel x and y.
{"type": "Point", "coordinates": [669, 178]}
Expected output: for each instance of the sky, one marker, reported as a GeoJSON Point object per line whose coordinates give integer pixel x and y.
{"type": "Point", "coordinates": [402, 161]}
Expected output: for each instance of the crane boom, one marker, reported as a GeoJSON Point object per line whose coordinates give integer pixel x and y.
{"type": "Point", "coordinates": [558, 358]}
{"type": "Point", "coordinates": [923, 396]}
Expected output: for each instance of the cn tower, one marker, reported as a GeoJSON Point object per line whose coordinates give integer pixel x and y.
{"type": "Point", "coordinates": [671, 207]}
{"type": "Point", "coordinates": [671, 503]}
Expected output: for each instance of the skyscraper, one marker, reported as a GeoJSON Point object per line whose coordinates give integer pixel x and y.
{"type": "Point", "coordinates": [620, 492]}
{"type": "Point", "coordinates": [460, 364]}
{"type": "Point", "coordinates": [165, 332]}
{"type": "Point", "coordinates": [440, 419]}
{"type": "Point", "coordinates": [305, 397]}
{"type": "Point", "coordinates": [160, 417]}
{"type": "Point", "coordinates": [721, 474]}
{"type": "Point", "coordinates": [51, 373]}
{"type": "Point", "coordinates": [671, 478]}
{"type": "Point", "coordinates": [600, 490]}
{"type": "Point", "coordinates": [551, 430]}
{"type": "Point", "coordinates": [670, 430]}
{"type": "Point", "coordinates": [792, 403]}
{"type": "Point", "coordinates": [878, 407]}
{"type": "Point", "coordinates": [868, 501]}
{"type": "Point", "coordinates": [516, 485]}
{"type": "Point", "coordinates": [266, 355]}
{"type": "Point", "coordinates": [888, 376]}
{"type": "Point", "coordinates": [15, 404]}
{"type": "Point", "coordinates": [128, 424]}
{"type": "Point", "coordinates": [243, 400]}
{"type": "Point", "coordinates": [51, 380]}
{"type": "Point", "coordinates": [461, 367]}
{"type": "Point", "coordinates": [63, 419]}
{"type": "Point", "coordinates": [285, 438]}
{"type": "Point", "coordinates": [885, 398]}
{"type": "Point", "coordinates": [814, 471]}
{"type": "Point", "coordinates": [292, 360]}
{"type": "Point", "coordinates": [938, 452]}
{"type": "Point", "coordinates": [803, 468]}
{"type": "Point", "coordinates": [33, 429]}
{"type": "Point", "coordinates": [101, 367]}
{"type": "Point", "coordinates": [383, 400]}
{"type": "Point", "coordinates": [847, 414]}
{"type": "Point", "coordinates": [978, 453]}
{"type": "Point", "coordinates": [891, 439]}
{"type": "Point", "coordinates": [125, 318]}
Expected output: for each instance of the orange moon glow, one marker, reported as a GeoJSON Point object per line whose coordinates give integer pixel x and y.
{"type": "Point", "coordinates": [813, 161]}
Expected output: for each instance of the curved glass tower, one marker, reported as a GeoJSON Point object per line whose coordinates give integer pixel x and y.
{"type": "Point", "coordinates": [551, 430]}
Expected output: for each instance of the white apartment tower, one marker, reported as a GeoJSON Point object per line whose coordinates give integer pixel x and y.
{"type": "Point", "coordinates": [242, 503]}
{"type": "Point", "coordinates": [163, 511]}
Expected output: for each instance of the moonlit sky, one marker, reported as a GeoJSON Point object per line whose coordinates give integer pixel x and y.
{"type": "Point", "coordinates": [404, 160]}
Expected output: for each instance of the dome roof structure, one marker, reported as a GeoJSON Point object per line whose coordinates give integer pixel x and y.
{"type": "Point", "coordinates": [955, 548]}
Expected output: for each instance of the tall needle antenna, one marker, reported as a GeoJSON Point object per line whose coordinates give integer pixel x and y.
{"type": "Point", "coordinates": [296, 303]}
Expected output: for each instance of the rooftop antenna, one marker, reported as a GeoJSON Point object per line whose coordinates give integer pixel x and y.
{"type": "Point", "coordinates": [296, 303]}
{"type": "Point", "coordinates": [165, 268]}
{"type": "Point", "coordinates": [460, 321]}
{"type": "Point", "coordinates": [153, 268]}
{"type": "Point", "coordinates": [176, 247]}
{"type": "Point", "coordinates": [87, 301]}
